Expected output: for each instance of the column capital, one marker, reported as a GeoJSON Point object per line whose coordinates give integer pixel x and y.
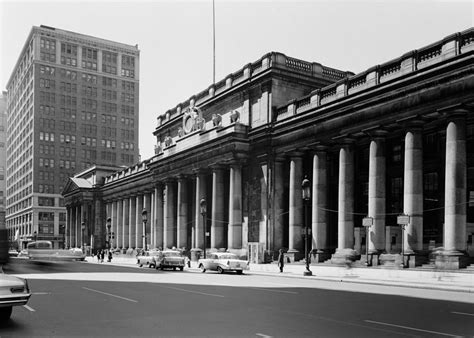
{"type": "Point", "coordinates": [345, 140]}
{"type": "Point", "coordinates": [200, 171]}
{"type": "Point", "coordinates": [375, 132]}
{"type": "Point", "coordinates": [217, 167]}
{"type": "Point", "coordinates": [454, 111]}
{"type": "Point", "coordinates": [295, 154]}
{"type": "Point", "coordinates": [412, 123]}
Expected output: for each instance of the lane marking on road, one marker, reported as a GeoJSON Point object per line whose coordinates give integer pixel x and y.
{"type": "Point", "coordinates": [279, 291]}
{"type": "Point", "coordinates": [29, 308]}
{"type": "Point", "coordinates": [191, 291]}
{"type": "Point", "coordinates": [263, 335]}
{"type": "Point", "coordinates": [41, 293]}
{"type": "Point", "coordinates": [109, 294]}
{"type": "Point", "coordinates": [411, 328]}
{"type": "Point", "coordinates": [463, 313]}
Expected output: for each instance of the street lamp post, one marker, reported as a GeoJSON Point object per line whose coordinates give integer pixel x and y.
{"type": "Point", "coordinates": [83, 228]}
{"type": "Point", "coordinates": [109, 234]}
{"type": "Point", "coordinates": [144, 219]}
{"type": "Point", "coordinates": [306, 191]}
{"type": "Point", "coordinates": [203, 206]}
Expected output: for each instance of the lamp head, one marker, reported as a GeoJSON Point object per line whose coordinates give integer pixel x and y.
{"type": "Point", "coordinates": [203, 206]}
{"type": "Point", "coordinates": [144, 215]}
{"type": "Point", "coordinates": [306, 189]}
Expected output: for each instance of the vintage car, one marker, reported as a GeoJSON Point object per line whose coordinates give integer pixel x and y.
{"type": "Point", "coordinates": [14, 291]}
{"type": "Point", "coordinates": [43, 250]}
{"type": "Point", "coordinates": [222, 262]}
{"type": "Point", "coordinates": [170, 259]}
{"type": "Point", "coordinates": [148, 258]}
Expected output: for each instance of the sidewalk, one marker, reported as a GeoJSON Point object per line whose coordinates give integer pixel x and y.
{"type": "Point", "coordinates": [459, 281]}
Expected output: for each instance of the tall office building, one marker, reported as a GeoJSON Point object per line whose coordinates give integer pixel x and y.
{"type": "Point", "coordinates": [72, 102]}
{"type": "Point", "coordinates": [3, 156]}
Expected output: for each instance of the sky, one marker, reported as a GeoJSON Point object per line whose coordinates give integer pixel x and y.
{"type": "Point", "coordinates": [175, 38]}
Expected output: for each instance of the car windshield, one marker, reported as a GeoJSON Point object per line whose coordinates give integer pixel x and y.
{"type": "Point", "coordinates": [228, 256]}
{"type": "Point", "coordinates": [171, 254]}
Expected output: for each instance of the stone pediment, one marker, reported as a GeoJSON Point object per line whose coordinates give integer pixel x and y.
{"type": "Point", "coordinates": [75, 184]}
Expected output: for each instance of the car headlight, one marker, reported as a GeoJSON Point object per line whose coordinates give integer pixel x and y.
{"type": "Point", "coordinates": [27, 287]}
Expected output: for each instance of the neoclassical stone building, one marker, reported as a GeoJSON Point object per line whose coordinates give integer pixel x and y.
{"type": "Point", "coordinates": [395, 140]}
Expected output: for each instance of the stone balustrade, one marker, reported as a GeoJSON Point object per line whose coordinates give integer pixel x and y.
{"type": "Point", "coordinates": [274, 59]}
{"type": "Point", "coordinates": [451, 46]}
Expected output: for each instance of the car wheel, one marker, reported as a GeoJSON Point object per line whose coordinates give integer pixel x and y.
{"type": "Point", "coordinates": [202, 268]}
{"type": "Point", "coordinates": [152, 265]}
{"type": "Point", "coordinates": [181, 268]}
{"type": "Point", "coordinates": [239, 272]}
{"type": "Point", "coordinates": [174, 268]}
{"type": "Point", "coordinates": [220, 270]}
{"type": "Point", "coordinates": [5, 313]}
{"type": "Point", "coordinates": [140, 265]}
{"type": "Point", "coordinates": [162, 268]}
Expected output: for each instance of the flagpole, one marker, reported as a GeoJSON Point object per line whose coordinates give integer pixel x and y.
{"type": "Point", "coordinates": [213, 43]}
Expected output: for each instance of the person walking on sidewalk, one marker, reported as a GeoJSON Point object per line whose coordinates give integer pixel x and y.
{"type": "Point", "coordinates": [281, 260]}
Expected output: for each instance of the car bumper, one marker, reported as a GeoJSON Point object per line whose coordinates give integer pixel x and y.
{"type": "Point", "coordinates": [14, 300]}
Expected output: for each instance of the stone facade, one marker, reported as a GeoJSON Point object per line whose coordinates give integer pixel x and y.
{"type": "Point", "coordinates": [397, 139]}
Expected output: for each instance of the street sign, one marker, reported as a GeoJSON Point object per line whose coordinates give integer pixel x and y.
{"type": "Point", "coordinates": [403, 219]}
{"type": "Point", "coordinates": [367, 221]}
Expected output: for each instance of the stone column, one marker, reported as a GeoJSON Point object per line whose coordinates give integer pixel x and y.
{"type": "Point", "coordinates": [217, 218]}
{"type": "Point", "coordinates": [200, 227]}
{"type": "Point", "coordinates": [126, 223]}
{"type": "Point", "coordinates": [139, 222]}
{"type": "Point", "coordinates": [413, 193]}
{"type": "Point", "coordinates": [152, 219]}
{"type": "Point", "coordinates": [119, 233]}
{"type": "Point", "coordinates": [78, 227]}
{"type": "Point", "coordinates": [376, 208]}
{"type": "Point", "coordinates": [182, 213]}
{"type": "Point", "coordinates": [170, 216]}
{"type": "Point", "coordinates": [319, 221]}
{"type": "Point", "coordinates": [158, 216]}
{"type": "Point", "coordinates": [234, 235]}
{"type": "Point", "coordinates": [114, 228]}
{"type": "Point", "coordinates": [147, 203]}
{"type": "Point", "coordinates": [67, 231]}
{"type": "Point", "coordinates": [453, 256]}
{"type": "Point", "coordinates": [345, 214]}
{"type": "Point", "coordinates": [131, 223]}
{"type": "Point", "coordinates": [278, 205]}
{"type": "Point", "coordinates": [295, 245]}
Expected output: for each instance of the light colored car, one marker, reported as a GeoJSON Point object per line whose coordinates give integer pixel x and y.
{"type": "Point", "coordinates": [148, 258]}
{"type": "Point", "coordinates": [170, 259]}
{"type": "Point", "coordinates": [14, 291]}
{"type": "Point", "coordinates": [223, 262]}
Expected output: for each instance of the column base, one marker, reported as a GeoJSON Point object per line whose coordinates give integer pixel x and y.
{"type": "Point", "coordinates": [196, 253]}
{"type": "Point", "coordinates": [415, 259]}
{"type": "Point", "coordinates": [393, 260]}
{"type": "Point", "coordinates": [319, 256]}
{"type": "Point", "coordinates": [451, 260]}
{"type": "Point", "coordinates": [292, 255]}
{"type": "Point", "coordinates": [344, 256]}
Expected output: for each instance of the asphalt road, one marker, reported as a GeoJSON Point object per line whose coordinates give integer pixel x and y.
{"type": "Point", "coordinates": [83, 299]}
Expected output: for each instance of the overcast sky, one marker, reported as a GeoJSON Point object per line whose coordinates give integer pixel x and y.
{"type": "Point", "coordinates": [175, 37]}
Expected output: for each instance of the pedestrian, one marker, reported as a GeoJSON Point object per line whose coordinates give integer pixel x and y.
{"type": "Point", "coordinates": [281, 260]}
{"type": "Point", "coordinates": [102, 255]}
{"type": "Point", "coordinates": [109, 256]}
{"type": "Point", "coordinates": [98, 256]}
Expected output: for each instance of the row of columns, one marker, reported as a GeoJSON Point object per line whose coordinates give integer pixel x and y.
{"type": "Point", "coordinates": [171, 214]}
{"type": "Point", "coordinates": [455, 194]}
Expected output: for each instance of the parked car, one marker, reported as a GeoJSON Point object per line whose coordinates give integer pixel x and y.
{"type": "Point", "coordinates": [14, 291]}
{"type": "Point", "coordinates": [170, 259]}
{"type": "Point", "coordinates": [148, 258]}
{"type": "Point", "coordinates": [223, 262]}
